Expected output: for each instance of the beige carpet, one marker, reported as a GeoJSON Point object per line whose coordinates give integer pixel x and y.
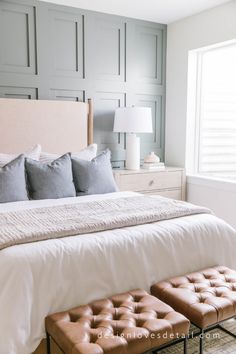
{"type": "Point", "coordinates": [216, 342]}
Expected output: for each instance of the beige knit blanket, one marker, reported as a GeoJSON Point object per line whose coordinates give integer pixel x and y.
{"type": "Point", "coordinates": [44, 223]}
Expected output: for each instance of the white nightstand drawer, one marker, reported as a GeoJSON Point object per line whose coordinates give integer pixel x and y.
{"type": "Point", "coordinates": [173, 194]}
{"type": "Point", "coordinates": [169, 183]}
{"type": "Point", "coordinates": [150, 181]}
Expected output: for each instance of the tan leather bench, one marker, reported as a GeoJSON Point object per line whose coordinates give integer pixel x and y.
{"type": "Point", "coordinates": [206, 298]}
{"type": "Point", "coordinates": [130, 323]}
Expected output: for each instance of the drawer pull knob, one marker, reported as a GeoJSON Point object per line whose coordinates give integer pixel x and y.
{"type": "Point", "coordinates": [151, 182]}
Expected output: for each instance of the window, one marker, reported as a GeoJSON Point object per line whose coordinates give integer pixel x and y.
{"type": "Point", "coordinates": [211, 133]}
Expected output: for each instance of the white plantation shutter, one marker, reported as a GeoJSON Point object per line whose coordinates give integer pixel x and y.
{"type": "Point", "coordinates": [216, 145]}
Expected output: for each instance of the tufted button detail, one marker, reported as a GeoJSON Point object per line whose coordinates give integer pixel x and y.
{"type": "Point", "coordinates": [121, 324]}
{"type": "Point", "coordinates": [210, 295]}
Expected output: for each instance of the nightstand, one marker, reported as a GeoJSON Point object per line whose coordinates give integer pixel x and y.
{"type": "Point", "coordinates": [169, 183]}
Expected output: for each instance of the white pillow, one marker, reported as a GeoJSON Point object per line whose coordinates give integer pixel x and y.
{"type": "Point", "coordinates": [33, 153]}
{"type": "Point", "coordinates": [86, 154]}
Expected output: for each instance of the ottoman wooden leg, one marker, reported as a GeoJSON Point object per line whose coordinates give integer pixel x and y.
{"type": "Point", "coordinates": [48, 344]}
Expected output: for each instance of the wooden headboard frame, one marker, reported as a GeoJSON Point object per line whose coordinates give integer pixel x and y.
{"type": "Point", "coordinates": [59, 126]}
{"type": "Point", "coordinates": [90, 121]}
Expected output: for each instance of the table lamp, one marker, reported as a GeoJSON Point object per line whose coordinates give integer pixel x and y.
{"type": "Point", "coordinates": [132, 120]}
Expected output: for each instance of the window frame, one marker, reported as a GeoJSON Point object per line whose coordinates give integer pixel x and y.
{"type": "Point", "coordinates": [194, 109]}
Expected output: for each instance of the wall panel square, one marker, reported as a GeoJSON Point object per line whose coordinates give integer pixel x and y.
{"type": "Point", "coordinates": [68, 95]}
{"type": "Point", "coordinates": [67, 44]}
{"type": "Point", "coordinates": [17, 38]}
{"type": "Point", "coordinates": [109, 52]}
{"type": "Point", "coordinates": [106, 103]}
{"type": "Point", "coordinates": [152, 141]}
{"type": "Point", "coordinates": [18, 92]}
{"type": "Point", "coordinates": [148, 54]}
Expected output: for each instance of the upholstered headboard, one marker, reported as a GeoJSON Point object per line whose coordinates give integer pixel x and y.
{"type": "Point", "coordinates": [59, 126]}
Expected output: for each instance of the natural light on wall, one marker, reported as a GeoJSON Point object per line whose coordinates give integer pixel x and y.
{"type": "Point", "coordinates": [211, 127]}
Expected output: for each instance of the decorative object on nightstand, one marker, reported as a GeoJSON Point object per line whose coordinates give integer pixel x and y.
{"type": "Point", "coordinates": [169, 183]}
{"type": "Point", "coordinates": [152, 162]}
{"type": "Point", "coordinates": [133, 120]}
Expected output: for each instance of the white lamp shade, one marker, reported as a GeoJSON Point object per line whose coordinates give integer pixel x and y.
{"type": "Point", "coordinates": [133, 120]}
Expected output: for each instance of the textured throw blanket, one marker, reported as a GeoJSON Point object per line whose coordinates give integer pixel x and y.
{"type": "Point", "coordinates": [81, 218]}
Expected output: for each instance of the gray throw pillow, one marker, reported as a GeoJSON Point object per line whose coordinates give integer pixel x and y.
{"type": "Point", "coordinates": [13, 182]}
{"type": "Point", "coordinates": [95, 176]}
{"type": "Point", "coordinates": [50, 181]}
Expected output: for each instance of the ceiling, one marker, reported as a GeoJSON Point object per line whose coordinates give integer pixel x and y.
{"type": "Point", "coordinates": [162, 11]}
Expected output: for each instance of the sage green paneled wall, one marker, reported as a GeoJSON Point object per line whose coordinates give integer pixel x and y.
{"type": "Point", "coordinates": [56, 52]}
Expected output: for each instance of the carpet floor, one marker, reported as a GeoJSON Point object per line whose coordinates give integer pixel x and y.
{"type": "Point", "coordinates": [216, 342]}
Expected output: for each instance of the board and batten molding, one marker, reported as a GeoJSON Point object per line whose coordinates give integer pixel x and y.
{"type": "Point", "coordinates": [57, 52]}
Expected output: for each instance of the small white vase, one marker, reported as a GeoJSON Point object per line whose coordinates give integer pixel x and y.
{"type": "Point", "coordinates": [152, 158]}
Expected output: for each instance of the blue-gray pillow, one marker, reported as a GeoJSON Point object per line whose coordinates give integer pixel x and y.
{"type": "Point", "coordinates": [13, 181]}
{"type": "Point", "coordinates": [95, 176]}
{"type": "Point", "coordinates": [50, 181]}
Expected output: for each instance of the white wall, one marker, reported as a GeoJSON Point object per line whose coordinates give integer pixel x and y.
{"type": "Point", "coordinates": [217, 195]}
{"type": "Point", "coordinates": [207, 28]}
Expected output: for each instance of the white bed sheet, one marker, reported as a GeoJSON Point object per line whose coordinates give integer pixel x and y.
{"type": "Point", "coordinates": [48, 276]}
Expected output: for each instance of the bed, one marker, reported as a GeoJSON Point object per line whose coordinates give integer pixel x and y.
{"type": "Point", "coordinates": [38, 278]}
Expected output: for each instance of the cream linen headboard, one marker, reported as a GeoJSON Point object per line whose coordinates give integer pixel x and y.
{"type": "Point", "coordinates": [59, 126]}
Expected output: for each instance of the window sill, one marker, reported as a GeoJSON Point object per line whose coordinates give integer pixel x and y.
{"type": "Point", "coordinates": [211, 182]}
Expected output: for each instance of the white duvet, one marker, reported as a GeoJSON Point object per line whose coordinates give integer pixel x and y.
{"type": "Point", "coordinates": [49, 276]}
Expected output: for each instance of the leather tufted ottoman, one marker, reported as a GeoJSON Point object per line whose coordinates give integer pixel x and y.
{"type": "Point", "coordinates": [206, 298]}
{"type": "Point", "coordinates": [130, 323]}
